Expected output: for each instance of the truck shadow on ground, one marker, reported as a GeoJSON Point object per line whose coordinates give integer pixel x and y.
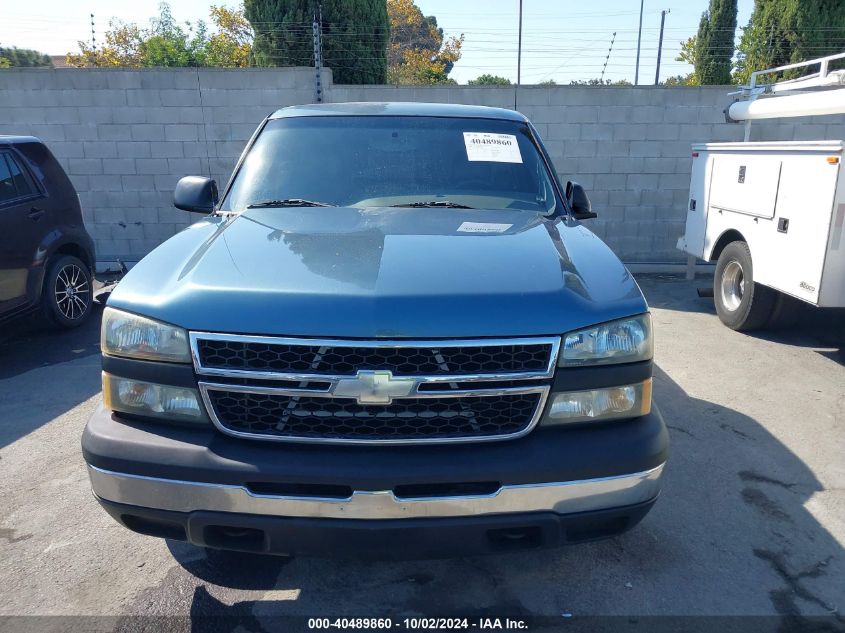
{"type": "Point", "coordinates": [34, 356]}
{"type": "Point", "coordinates": [813, 328]}
{"type": "Point", "coordinates": [732, 534]}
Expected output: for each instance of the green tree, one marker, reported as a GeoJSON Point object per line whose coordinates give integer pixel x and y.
{"type": "Point", "coordinates": [677, 80]}
{"type": "Point", "coordinates": [282, 32]}
{"type": "Point", "coordinates": [489, 80]}
{"type": "Point", "coordinates": [599, 82]}
{"type": "Point", "coordinates": [786, 31]}
{"type": "Point", "coordinates": [354, 34]}
{"type": "Point", "coordinates": [23, 58]}
{"type": "Point", "coordinates": [714, 44]}
{"type": "Point", "coordinates": [686, 55]}
{"type": "Point", "coordinates": [166, 43]}
{"type": "Point", "coordinates": [417, 52]}
{"type": "Point", "coordinates": [231, 44]}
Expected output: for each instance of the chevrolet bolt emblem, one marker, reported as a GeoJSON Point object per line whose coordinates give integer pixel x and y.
{"type": "Point", "coordinates": [374, 387]}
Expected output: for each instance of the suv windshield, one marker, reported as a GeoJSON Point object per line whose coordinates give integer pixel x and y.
{"type": "Point", "coordinates": [380, 161]}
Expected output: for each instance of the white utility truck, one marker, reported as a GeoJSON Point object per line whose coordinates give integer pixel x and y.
{"type": "Point", "coordinates": [772, 214]}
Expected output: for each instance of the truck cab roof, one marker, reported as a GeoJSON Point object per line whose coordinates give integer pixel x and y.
{"type": "Point", "coordinates": [12, 139]}
{"type": "Point", "coordinates": [399, 109]}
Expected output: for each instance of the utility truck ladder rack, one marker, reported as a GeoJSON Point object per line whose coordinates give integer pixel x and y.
{"type": "Point", "coordinates": [806, 102]}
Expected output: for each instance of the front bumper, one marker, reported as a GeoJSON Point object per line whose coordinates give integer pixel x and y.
{"type": "Point", "coordinates": [551, 487]}
{"type": "Point", "coordinates": [383, 539]}
{"type": "Point", "coordinates": [566, 497]}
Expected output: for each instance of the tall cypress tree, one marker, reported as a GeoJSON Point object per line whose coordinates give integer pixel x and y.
{"type": "Point", "coordinates": [354, 33]}
{"type": "Point", "coordinates": [782, 32]}
{"type": "Point", "coordinates": [714, 44]}
{"type": "Point", "coordinates": [24, 57]}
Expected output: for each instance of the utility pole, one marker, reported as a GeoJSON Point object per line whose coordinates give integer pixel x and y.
{"type": "Point", "coordinates": [317, 33]}
{"type": "Point", "coordinates": [518, 57]}
{"type": "Point", "coordinates": [660, 45]}
{"type": "Point", "coordinates": [639, 41]}
{"type": "Point", "coordinates": [607, 59]}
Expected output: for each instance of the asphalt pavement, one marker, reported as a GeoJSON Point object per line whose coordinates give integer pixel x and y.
{"type": "Point", "coordinates": [751, 520]}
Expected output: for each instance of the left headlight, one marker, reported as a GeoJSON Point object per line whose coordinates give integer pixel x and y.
{"type": "Point", "coordinates": [609, 403]}
{"type": "Point", "coordinates": [623, 341]}
{"type": "Point", "coordinates": [134, 336]}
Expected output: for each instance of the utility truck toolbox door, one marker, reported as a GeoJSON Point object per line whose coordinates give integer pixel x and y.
{"type": "Point", "coordinates": [745, 185]}
{"type": "Point", "coordinates": [796, 248]}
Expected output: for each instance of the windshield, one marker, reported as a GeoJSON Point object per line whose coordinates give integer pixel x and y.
{"type": "Point", "coordinates": [380, 161]}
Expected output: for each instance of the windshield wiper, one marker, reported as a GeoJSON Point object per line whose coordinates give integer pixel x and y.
{"type": "Point", "coordinates": [446, 204]}
{"type": "Point", "coordinates": [288, 202]}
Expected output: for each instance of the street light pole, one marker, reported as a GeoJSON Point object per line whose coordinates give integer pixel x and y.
{"type": "Point", "coordinates": [660, 46]}
{"type": "Point", "coordinates": [639, 41]}
{"type": "Point", "coordinates": [518, 57]}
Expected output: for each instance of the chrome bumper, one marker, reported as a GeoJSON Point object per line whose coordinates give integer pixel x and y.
{"type": "Point", "coordinates": [561, 497]}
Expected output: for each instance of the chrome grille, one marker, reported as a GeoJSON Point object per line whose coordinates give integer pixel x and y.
{"type": "Point", "coordinates": [346, 391]}
{"type": "Point", "coordinates": [346, 359]}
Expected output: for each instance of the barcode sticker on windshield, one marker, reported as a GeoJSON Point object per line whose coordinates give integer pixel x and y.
{"type": "Point", "coordinates": [494, 148]}
{"type": "Point", "coordinates": [483, 227]}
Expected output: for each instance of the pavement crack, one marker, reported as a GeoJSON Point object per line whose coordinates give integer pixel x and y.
{"type": "Point", "coordinates": [727, 427]}
{"type": "Point", "coordinates": [784, 599]}
{"type": "Point", "coordinates": [8, 535]}
{"type": "Point", "coordinates": [750, 475]}
{"type": "Point", "coordinates": [679, 429]}
{"type": "Point", "coordinates": [760, 501]}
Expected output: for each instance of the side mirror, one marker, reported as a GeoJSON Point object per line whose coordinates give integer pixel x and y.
{"type": "Point", "coordinates": [578, 201]}
{"type": "Point", "coordinates": [195, 194]}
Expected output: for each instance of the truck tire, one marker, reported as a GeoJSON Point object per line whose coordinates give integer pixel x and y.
{"type": "Point", "coordinates": [68, 292]}
{"type": "Point", "coordinates": [741, 304]}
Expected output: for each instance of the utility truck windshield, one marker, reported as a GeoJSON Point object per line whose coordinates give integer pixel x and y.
{"type": "Point", "coordinates": [393, 161]}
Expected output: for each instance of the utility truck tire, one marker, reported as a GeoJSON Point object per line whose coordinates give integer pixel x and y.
{"type": "Point", "coordinates": [740, 303]}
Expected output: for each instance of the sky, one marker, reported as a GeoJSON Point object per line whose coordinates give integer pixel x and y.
{"type": "Point", "coordinates": [562, 40]}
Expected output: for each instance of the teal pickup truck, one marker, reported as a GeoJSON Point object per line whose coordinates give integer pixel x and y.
{"type": "Point", "coordinates": [390, 336]}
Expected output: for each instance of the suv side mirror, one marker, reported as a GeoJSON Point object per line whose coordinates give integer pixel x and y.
{"type": "Point", "coordinates": [196, 194]}
{"type": "Point", "coordinates": [578, 201]}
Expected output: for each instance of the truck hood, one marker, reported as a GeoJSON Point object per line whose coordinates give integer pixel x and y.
{"type": "Point", "coordinates": [350, 272]}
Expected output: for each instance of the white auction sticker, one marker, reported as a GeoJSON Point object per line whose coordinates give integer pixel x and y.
{"type": "Point", "coordinates": [483, 227]}
{"type": "Point", "coordinates": [494, 148]}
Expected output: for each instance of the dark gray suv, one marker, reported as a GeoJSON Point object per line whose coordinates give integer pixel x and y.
{"type": "Point", "coordinates": [46, 255]}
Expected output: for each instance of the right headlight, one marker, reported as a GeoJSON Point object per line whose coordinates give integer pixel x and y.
{"type": "Point", "coordinates": [135, 336]}
{"type": "Point", "coordinates": [623, 341]}
{"type": "Point", "coordinates": [152, 400]}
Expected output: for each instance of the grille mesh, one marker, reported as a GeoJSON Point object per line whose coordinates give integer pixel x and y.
{"type": "Point", "coordinates": [405, 419]}
{"type": "Point", "coordinates": [337, 360]}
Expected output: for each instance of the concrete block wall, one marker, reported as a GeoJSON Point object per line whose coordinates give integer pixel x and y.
{"type": "Point", "coordinates": [126, 136]}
